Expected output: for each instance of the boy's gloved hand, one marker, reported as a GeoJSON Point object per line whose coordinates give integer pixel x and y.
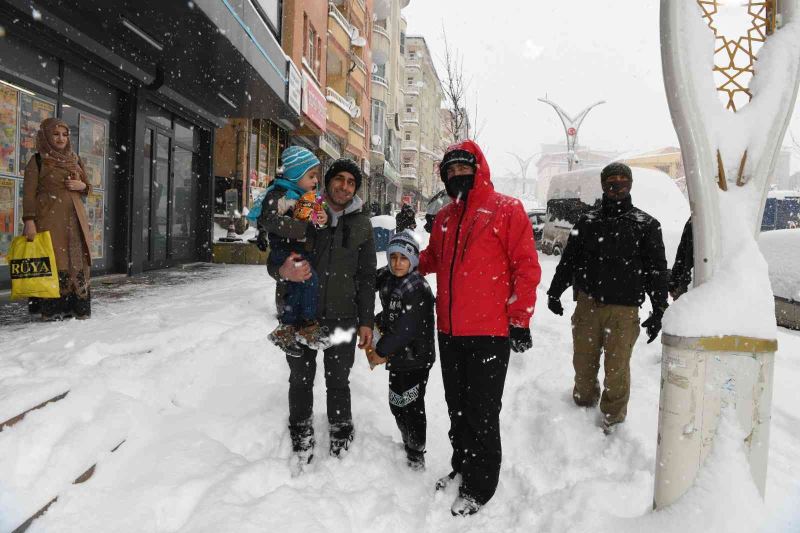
{"type": "Point", "coordinates": [520, 339]}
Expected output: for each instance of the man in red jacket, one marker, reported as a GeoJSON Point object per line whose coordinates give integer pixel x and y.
{"type": "Point", "coordinates": [487, 270]}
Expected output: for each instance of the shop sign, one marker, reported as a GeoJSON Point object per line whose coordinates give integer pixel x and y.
{"type": "Point", "coordinates": [295, 88]}
{"type": "Point", "coordinates": [327, 147]}
{"type": "Point", "coordinates": [314, 105]}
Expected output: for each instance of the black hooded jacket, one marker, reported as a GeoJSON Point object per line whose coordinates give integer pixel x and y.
{"type": "Point", "coordinates": [406, 321]}
{"type": "Point", "coordinates": [615, 254]}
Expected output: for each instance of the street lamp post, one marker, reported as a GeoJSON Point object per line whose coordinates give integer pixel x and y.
{"type": "Point", "coordinates": [571, 127]}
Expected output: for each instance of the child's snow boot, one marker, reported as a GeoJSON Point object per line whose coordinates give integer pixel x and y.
{"type": "Point", "coordinates": [415, 459]}
{"type": "Point", "coordinates": [465, 505]}
{"type": "Point", "coordinates": [314, 336]}
{"type": "Point", "coordinates": [285, 338]}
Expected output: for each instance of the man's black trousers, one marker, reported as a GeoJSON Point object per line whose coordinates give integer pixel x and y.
{"type": "Point", "coordinates": [338, 360]}
{"type": "Point", "coordinates": [474, 373]}
{"type": "Point", "coordinates": [407, 402]}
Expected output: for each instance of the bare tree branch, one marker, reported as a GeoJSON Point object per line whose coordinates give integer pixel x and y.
{"type": "Point", "coordinates": [455, 88]}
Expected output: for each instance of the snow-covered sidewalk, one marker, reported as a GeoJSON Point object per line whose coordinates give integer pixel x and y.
{"type": "Point", "coordinates": [185, 376]}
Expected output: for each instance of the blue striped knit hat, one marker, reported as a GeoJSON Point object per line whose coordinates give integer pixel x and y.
{"type": "Point", "coordinates": [406, 244]}
{"type": "Point", "coordinates": [296, 162]}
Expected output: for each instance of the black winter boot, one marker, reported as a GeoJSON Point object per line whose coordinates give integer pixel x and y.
{"type": "Point", "coordinates": [302, 436]}
{"type": "Point", "coordinates": [415, 459]}
{"type": "Point", "coordinates": [341, 436]}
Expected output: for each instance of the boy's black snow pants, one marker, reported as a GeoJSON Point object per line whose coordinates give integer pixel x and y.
{"type": "Point", "coordinates": [407, 402]}
{"type": "Point", "coordinates": [338, 360]}
{"type": "Point", "coordinates": [474, 373]}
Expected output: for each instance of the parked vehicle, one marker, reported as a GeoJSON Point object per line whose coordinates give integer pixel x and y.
{"type": "Point", "coordinates": [570, 195]}
{"type": "Point", "coordinates": [537, 217]}
{"type": "Point", "coordinates": [782, 211]}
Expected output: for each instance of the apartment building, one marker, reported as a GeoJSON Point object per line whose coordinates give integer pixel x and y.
{"type": "Point", "coordinates": [387, 101]}
{"type": "Point", "coordinates": [422, 128]}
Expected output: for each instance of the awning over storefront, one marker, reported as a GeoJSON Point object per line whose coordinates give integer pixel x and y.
{"type": "Point", "coordinates": [217, 58]}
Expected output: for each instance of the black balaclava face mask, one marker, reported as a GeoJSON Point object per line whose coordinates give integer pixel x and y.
{"type": "Point", "coordinates": [458, 187]}
{"type": "Point", "coordinates": [617, 190]}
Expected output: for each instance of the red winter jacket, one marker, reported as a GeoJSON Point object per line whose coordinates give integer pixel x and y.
{"type": "Point", "coordinates": [485, 260]}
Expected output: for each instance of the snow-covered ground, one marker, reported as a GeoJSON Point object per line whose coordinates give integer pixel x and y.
{"type": "Point", "coordinates": [184, 374]}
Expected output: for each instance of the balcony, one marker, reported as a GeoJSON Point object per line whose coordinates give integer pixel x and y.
{"type": "Point", "coordinates": [410, 145]}
{"type": "Point", "coordinates": [380, 80]}
{"type": "Point", "coordinates": [411, 90]}
{"type": "Point", "coordinates": [413, 63]}
{"type": "Point", "coordinates": [357, 125]}
{"type": "Point", "coordinates": [348, 105]}
{"type": "Point", "coordinates": [411, 117]}
{"type": "Point", "coordinates": [381, 45]}
{"type": "Point", "coordinates": [341, 30]}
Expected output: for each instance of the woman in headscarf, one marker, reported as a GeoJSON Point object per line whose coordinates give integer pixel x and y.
{"type": "Point", "coordinates": [55, 181]}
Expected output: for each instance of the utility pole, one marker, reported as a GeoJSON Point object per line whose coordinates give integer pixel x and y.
{"type": "Point", "coordinates": [571, 127]}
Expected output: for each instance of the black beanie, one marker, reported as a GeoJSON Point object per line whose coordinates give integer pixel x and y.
{"type": "Point", "coordinates": [616, 169]}
{"type": "Point", "coordinates": [346, 165]}
{"type": "Point", "coordinates": [456, 156]}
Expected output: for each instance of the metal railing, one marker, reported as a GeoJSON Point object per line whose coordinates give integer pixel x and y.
{"type": "Point", "coordinates": [381, 80]}
{"type": "Point", "coordinates": [341, 19]}
{"type": "Point", "coordinates": [348, 106]}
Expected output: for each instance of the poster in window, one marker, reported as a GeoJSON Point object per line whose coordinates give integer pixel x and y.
{"type": "Point", "coordinates": [95, 202]}
{"type": "Point", "coordinates": [7, 222]}
{"type": "Point", "coordinates": [32, 111]}
{"type": "Point", "coordinates": [92, 149]}
{"type": "Point", "coordinates": [8, 129]}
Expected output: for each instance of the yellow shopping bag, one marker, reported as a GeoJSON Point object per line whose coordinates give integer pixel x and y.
{"type": "Point", "coordinates": [32, 266]}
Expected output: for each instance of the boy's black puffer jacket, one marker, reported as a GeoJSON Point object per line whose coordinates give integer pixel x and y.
{"type": "Point", "coordinates": [406, 322]}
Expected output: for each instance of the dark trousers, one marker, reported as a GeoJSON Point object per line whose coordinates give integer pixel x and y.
{"type": "Point", "coordinates": [299, 298]}
{"type": "Point", "coordinates": [338, 360]}
{"type": "Point", "coordinates": [474, 373]}
{"type": "Point", "coordinates": [407, 403]}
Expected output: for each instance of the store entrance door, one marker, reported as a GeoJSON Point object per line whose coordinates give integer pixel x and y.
{"type": "Point", "coordinates": [171, 207]}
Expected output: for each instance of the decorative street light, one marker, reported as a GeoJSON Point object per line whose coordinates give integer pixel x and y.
{"type": "Point", "coordinates": [524, 164]}
{"type": "Point", "coordinates": [571, 127]}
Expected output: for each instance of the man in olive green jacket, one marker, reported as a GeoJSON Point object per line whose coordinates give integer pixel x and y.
{"type": "Point", "coordinates": [344, 259]}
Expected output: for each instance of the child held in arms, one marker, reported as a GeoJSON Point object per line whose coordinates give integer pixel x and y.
{"type": "Point", "coordinates": [290, 213]}
{"type": "Point", "coordinates": [406, 341]}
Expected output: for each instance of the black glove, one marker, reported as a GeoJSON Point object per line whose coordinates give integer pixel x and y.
{"type": "Point", "coordinates": [261, 241]}
{"type": "Point", "coordinates": [653, 326]}
{"type": "Point", "coordinates": [521, 339]}
{"type": "Point", "coordinates": [554, 304]}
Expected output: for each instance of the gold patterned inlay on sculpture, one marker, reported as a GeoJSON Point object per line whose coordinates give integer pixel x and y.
{"type": "Point", "coordinates": [734, 56]}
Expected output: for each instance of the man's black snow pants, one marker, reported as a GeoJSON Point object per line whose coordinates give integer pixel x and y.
{"type": "Point", "coordinates": [407, 402]}
{"type": "Point", "coordinates": [474, 373]}
{"type": "Point", "coordinates": [338, 360]}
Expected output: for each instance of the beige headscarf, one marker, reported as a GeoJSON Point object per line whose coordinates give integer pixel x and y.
{"type": "Point", "coordinates": [66, 158]}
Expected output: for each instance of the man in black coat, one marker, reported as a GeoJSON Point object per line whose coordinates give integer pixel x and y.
{"type": "Point", "coordinates": [344, 258]}
{"type": "Point", "coordinates": [614, 255]}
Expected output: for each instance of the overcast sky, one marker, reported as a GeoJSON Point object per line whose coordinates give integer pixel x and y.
{"type": "Point", "coordinates": [575, 51]}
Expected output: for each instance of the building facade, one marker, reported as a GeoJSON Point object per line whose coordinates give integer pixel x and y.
{"type": "Point", "coordinates": [144, 103]}
{"type": "Point", "coordinates": [387, 99]}
{"type": "Point", "coordinates": [422, 127]}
